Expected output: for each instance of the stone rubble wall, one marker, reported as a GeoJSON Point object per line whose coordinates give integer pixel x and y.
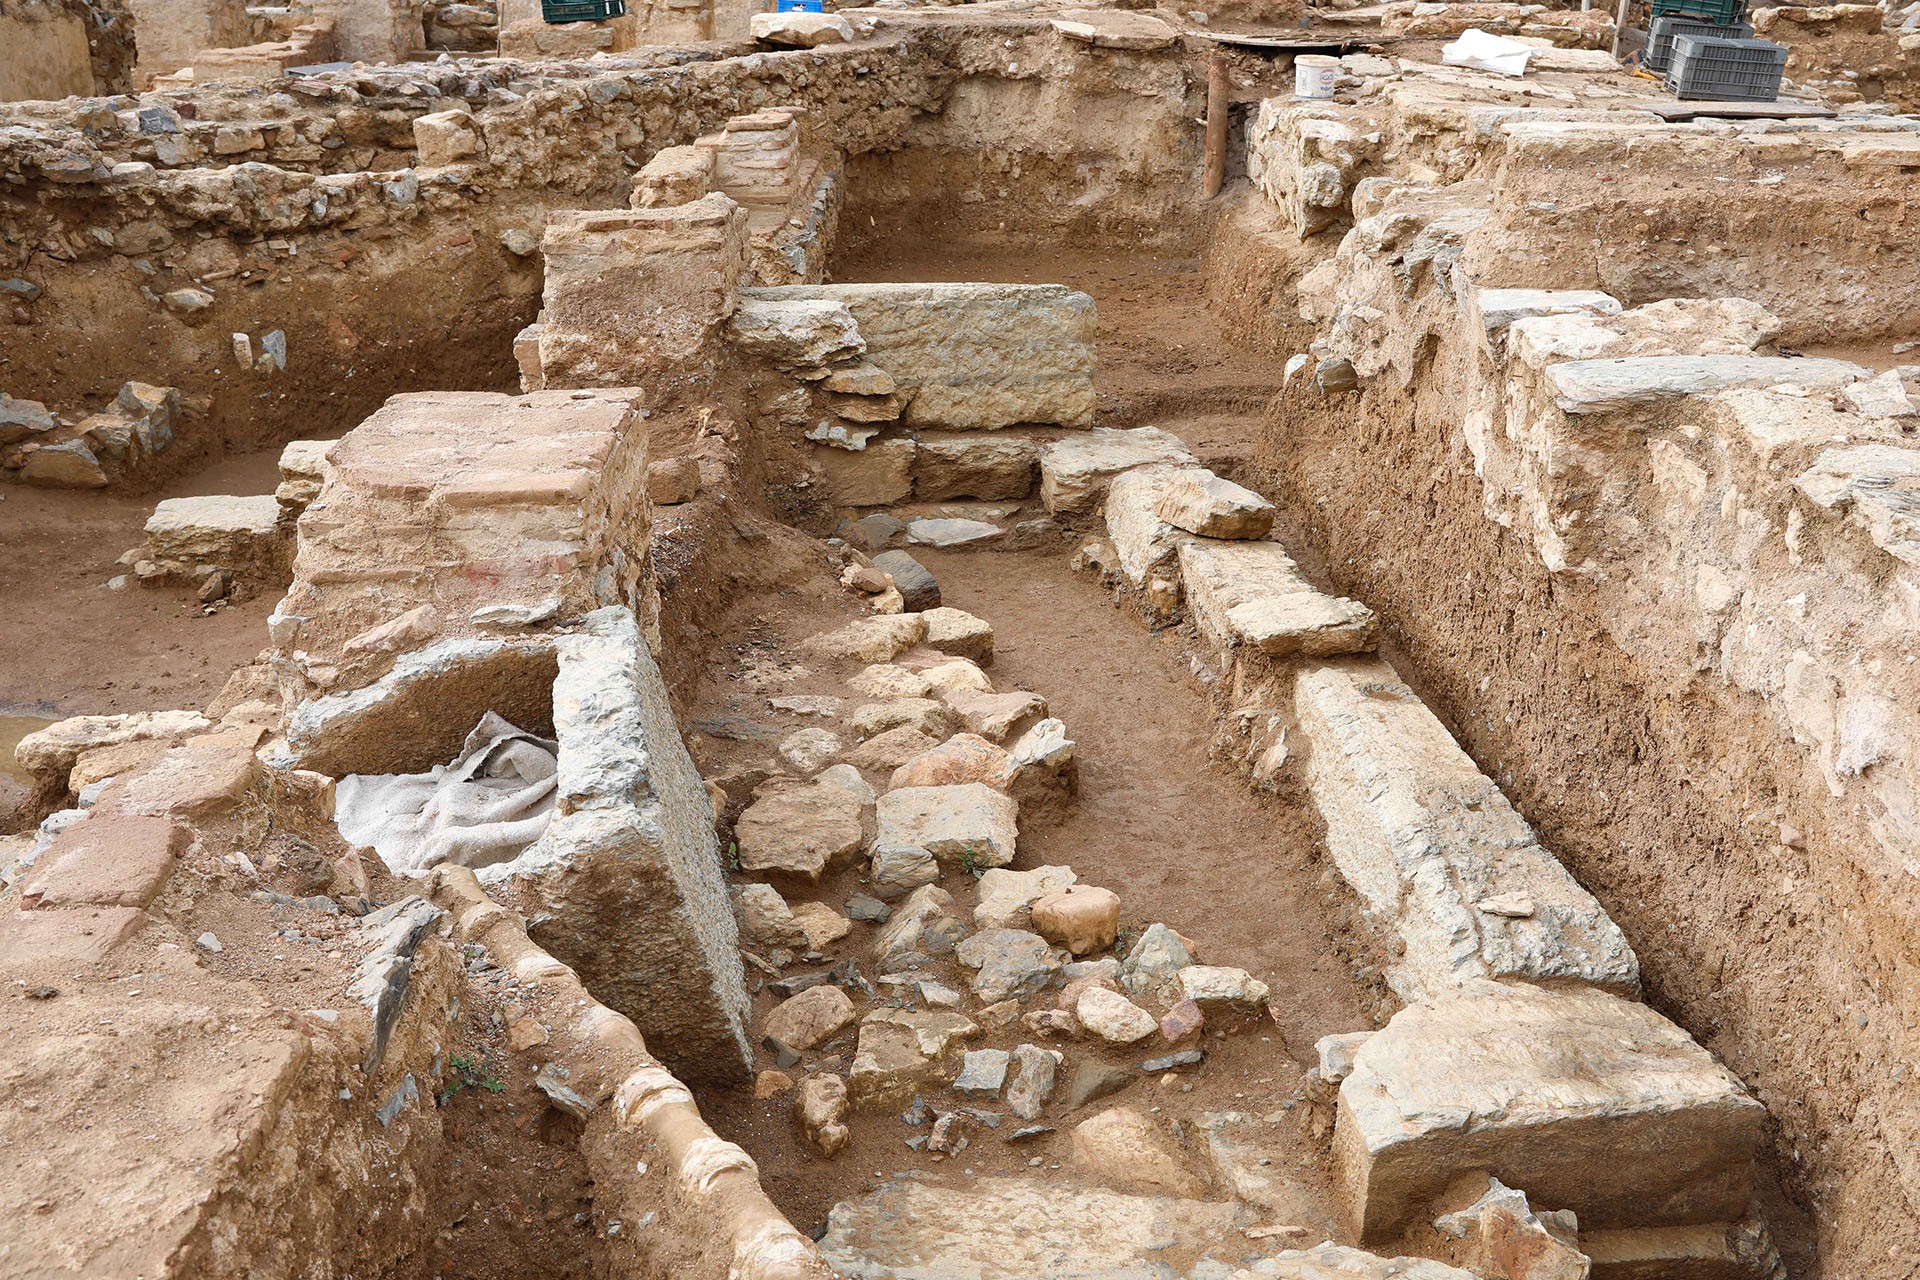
{"type": "Point", "coordinates": [1639, 230]}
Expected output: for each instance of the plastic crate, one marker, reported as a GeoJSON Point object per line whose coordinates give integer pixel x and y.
{"type": "Point", "coordinates": [581, 10]}
{"type": "Point", "coordinates": [1722, 12]}
{"type": "Point", "coordinates": [1720, 70]}
{"type": "Point", "coordinates": [1660, 39]}
{"type": "Point", "coordinates": [799, 6]}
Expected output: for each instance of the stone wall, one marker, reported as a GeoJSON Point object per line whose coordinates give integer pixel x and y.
{"type": "Point", "coordinates": [169, 32]}
{"type": "Point", "coordinates": [1678, 557]}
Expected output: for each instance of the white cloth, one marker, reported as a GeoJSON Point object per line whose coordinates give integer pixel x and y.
{"type": "Point", "coordinates": [1476, 48]}
{"type": "Point", "coordinates": [485, 806]}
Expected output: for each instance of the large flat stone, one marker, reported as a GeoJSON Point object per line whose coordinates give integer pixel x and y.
{"type": "Point", "coordinates": [1250, 594]}
{"type": "Point", "coordinates": [1429, 843]}
{"type": "Point", "coordinates": [1014, 1229]}
{"type": "Point", "coordinates": [970, 824]}
{"type": "Point", "coordinates": [1600, 386]}
{"type": "Point", "coordinates": [799, 831]}
{"type": "Point", "coordinates": [1075, 470]}
{"type": "Point", "coordinates": [223, 530]}
{"type": "Point", "coordinates": [1147, 546]}
{"type": "Point", "coordinates": [972, 356]}
{"type": "Point", "coordinates": [1590, 1102]}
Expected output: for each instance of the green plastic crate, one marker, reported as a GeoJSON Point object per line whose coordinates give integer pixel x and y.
{"type": "Point", "coordinates": [1723, 12]}
{"type": "Point", "coordinates": [581, 10]}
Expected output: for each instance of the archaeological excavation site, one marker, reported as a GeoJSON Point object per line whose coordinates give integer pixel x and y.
{"type": "Point", "coordinates": [745, 640]}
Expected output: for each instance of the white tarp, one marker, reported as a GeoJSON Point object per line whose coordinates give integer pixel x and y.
{"type": "Point", "coordinates": [1475, 48]}
{"type": "Point", "coordinates": [485, 806]}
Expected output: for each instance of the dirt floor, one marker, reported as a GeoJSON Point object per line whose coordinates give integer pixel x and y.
{"type": "Point", "coordinates": [69, 645]}
{"type": "Point", "coordinates": [1180, 838]}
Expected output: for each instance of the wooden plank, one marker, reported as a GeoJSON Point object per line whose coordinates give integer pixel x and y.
{"type": "Point", "coordinates": [1785, 109]}
{"type": "Point", "coordinates": [1298, 44]}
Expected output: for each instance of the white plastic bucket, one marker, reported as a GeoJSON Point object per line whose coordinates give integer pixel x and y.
{"type": "Point", "coordinates": [1314, 74]}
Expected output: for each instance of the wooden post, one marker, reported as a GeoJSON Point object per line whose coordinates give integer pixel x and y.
{"type": "Point", "coordinates": [1217, 86]}
{"type": "Point", "coordinates": [1619, 27]}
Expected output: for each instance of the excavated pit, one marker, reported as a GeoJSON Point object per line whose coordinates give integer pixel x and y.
{"type": "Point", "coordinates": [462, 1075]}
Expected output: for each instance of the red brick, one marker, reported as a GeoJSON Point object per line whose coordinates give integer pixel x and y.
{"type": "Point", "coordinates": [107, 861]}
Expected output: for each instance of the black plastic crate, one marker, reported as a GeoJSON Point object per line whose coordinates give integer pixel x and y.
{"type": "Point", "coordinates": [1717, 11]}
{"type": "Point", "coordinates": [1720, 70]}
{"type": "Point", "coordinates": [1660, 39]}
{"type": "Point", "coordinates": [581, 10]}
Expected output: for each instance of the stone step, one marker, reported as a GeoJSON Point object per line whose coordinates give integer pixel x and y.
{"type": "Point", "coordinates": [1448, 870]}
{"type": "Point", "coordinates": [1586, 1101]}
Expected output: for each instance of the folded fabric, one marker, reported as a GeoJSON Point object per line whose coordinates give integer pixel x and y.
{"type": "Point", "coordinates": [483, 807]}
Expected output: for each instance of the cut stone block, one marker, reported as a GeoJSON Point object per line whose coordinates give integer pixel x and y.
{"type": "Point", "coordinates": [1112, 29]}
{"type": "Point", "coordinates": [800, 30]}
{"type": "Point", "coordinates": [972, 356]}
{"type": "Point", "coordinates": [991, 468]}
{"type": "Point", "coordinates": [1592, 1103]}
{"type": "Point", "coordinates": [958, 632]}
{"type": "Point", "coordinates": [872, 719]}
{"type": "Point", "coordinates": [877, 476]}
{"type": "Point", "coordinates": [1146, 545]}
{"type": "Point", "coordinates": [226, 532]}
{"type": "Point", "coordinates": [901, 1051]}
{"type": "Point", "coordinates": [1075, 470]}
{"type": "Point", "coordinates": [1006, 897]}
{"type": "Point", "coordinates": [1424, 838]}
{"type": "Point", "coordinates": [995, 715]}
{"type": "Point", "coordinates": [796, 333]}
{"type": "Point", "coordinates": [1498, 308]}
{"type": "Point", "coordinates": [303, 469]}
{"type": "Point", "coordinates": [799, 831]}
{"type": "Point", "coordinates": [1014, 1229]}
{"type": "Point", "coordinates": [870, 640]}
{"type": "Point", "coordinates": [626, 884]}
{"type": "Point", "coordinates": [1601, 386]}
{"type": "Point", "coordinates": [1203, 503]}
{"type": "Point", "coordinates": [969, 825]}
{"type": "Point", "coordinates": [1250, 594]}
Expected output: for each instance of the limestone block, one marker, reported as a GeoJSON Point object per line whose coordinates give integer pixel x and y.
{"type": "Point", "coordinates": [1009, 963]}
{"type": "Point", "coordinates": [901, 1051]}
{"type": "Point", "coordinates": [1329, 1261]}
{"type": "Point", "coordinates": [1015, 1227]}
{"type": "Point", "coordinates": [67, 465]}
{"type": "Point", "coordinates": [879, 475]}
{"type": "Point", "coordinates": [809, 1018]}
{"type": "Point", "coordinates": [795, 333]}
{"type": "Point", "coordinates": [1218, 989]}
{"type": "Point", "coordinates": [991, 467]}
{"type": "Point", "coordinates": [1250, 594]}
{"type": "Point", "coordinates": [963, 758]}
{"type": "Point", "coordinates": [1425, 838]}
{"type": "Point", "coordinates": [1075, 470]}
{"type": "Point", "coordinates": [52, 751]}
{"type": "Point", "coordinates": [973, 356]}
{"type": "Point", "coordinates": [891, 749]}
{"type": "Point", "coordinates": [197, 780]}
{"type": "Point", "coordinates": [303, 469]}
{"type": "Point", "coordinates": [955, 675]}
{"type": "Point", "coordinates": [1498, 308]}
{"type": "Point", "coordinates": [675, 175]}
{"type": "Point", "coordinates": [446, 137]}
{"type": "Point", "coordinates": [765, 919]}
{"type": "Point", "coordinates": [821, 924]}
{"type": "Point", "coordinates": [958, 632]}
{"type": "Point", "coordinates": [969, 825]}
{"type": "Point", "coordinates": [1592, 1103]}
{"type": "Point", "coordinates": [1006, 897]}
{"type": "Point", "coordinates": [225, 532]}
{"type": "Point", "coordinates": [1124, 1146]}
{"type": "Point", "coordinates": [869, 640]}
{"type": "Point", "coordinates": [106, 861]}
{"type": "Point", "coordinates": [925, 922]}
{"type": "Point", "coordinates": [1082, 918]}
{"type": "Point", "coordinates": [625, 885]}
{"type": "Point", "coordinates": [872, 719]}
{"type": "Point", "coordinates": [1603, 386]}
{"type": "Point", "coordinates": [994, 715]}
{"type": "Point", "coordinates": [799, 830]}
{"type": "Point", "coordinates": [1112, 1017]}
{"type": "Point", "coordinates": [1147, 546]}
{"type": "Point", "coordinates": [1199, 501]}
{"type": "Point", "coordinates": [821, 1108]}
{"type": "Point", "coordinates": [1115, 29]}
{"type": "Point", "coordinates": [634, 297]}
